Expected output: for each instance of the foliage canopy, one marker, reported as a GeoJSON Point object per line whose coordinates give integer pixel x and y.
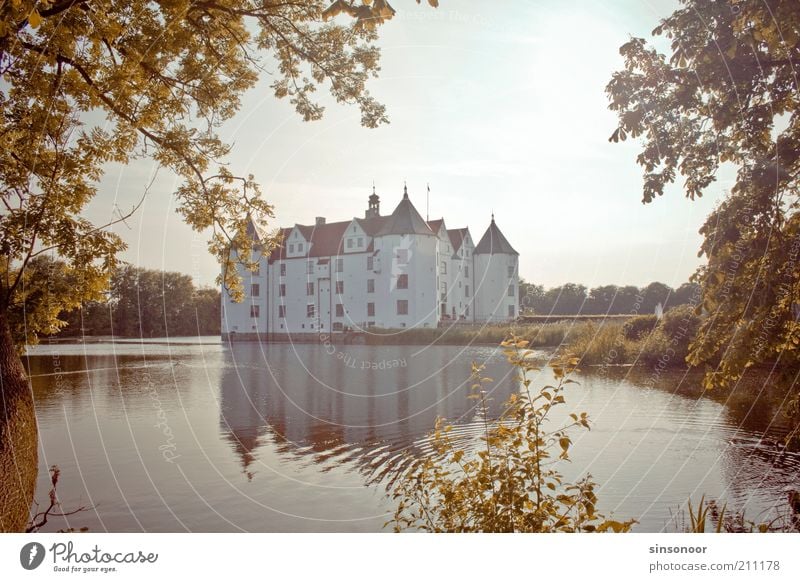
{"type": "Point", "coordinates": [88, 82]}
{"type": "Point", "coordinates": [727, 95]}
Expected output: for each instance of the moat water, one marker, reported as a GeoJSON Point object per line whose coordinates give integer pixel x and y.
{"type": "Point", "coordinates": [195, 435]}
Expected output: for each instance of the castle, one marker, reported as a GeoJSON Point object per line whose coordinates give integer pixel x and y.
{"type": "Point", "coordinates": [396, 271]}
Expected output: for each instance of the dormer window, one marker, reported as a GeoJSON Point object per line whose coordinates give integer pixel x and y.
{"type": "Point", "coordinates": [299, 247]}
{"type": "Point", "coordinates": [349, 243]}
{"type": "Point", "coordinates": [360, 242]}
{"type": "Point", "coordinates": [291, 248]}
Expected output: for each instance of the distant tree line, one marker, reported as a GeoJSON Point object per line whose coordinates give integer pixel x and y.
{"type": "Point", "coordinates": [576, 299]}
{"type": "Point", "coordinates": [147, 303]}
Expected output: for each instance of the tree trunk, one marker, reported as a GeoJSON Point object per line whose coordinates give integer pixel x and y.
{"type": "Point", "coordinates": [19, 464]}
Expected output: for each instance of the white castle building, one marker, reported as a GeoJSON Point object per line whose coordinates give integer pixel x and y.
{"type": "Point", "coordinates": [396, 271]}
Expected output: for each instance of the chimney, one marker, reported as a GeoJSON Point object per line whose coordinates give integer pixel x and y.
{"type": "Point", "coordinates": [320, 220]}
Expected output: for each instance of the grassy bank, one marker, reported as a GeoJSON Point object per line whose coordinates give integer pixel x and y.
{"type": "Point", "coordinates": [641, 340]}
{"type": "Point", "coordinates": [539, 334]}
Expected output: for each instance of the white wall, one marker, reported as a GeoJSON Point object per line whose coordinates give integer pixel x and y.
{"type": "Point", "coordinates": [236, 317]}
{"type": "Point", "coordinates": [492, 281]}
{"type": "Point", "coordinates": [422, 279]}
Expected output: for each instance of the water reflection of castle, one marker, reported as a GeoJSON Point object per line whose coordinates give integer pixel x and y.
{"type": "Point", "coordinates": [307, 401]}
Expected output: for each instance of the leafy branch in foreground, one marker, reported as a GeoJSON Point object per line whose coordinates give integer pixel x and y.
{"type": "Point", "coordinates": [510, 481]}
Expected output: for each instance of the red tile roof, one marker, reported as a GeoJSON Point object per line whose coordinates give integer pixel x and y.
{"type": "Point", "coordinates": [457, 236]}
{"type": "Point", "coordinates": [436, 224]}
{"type": "Point", "coordinates": [327, 239]}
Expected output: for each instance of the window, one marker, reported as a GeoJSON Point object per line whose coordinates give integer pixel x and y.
{"type": "Point", "coordinates": [337, 326]}
{"type": "Point", "coordinates": [466, 311]}
{"type": "Point", "coordinates": [309, 267]}
{"type": "Point", "coordinates": [360, 242]}
{"type": "Point", "coordinates": [402, 256]}
{"type": "Point", "coordinates": [511, 311]}
{"type": "Point", "coordinates": [372, 324]}
{"type": "Point", "coordinates": [309, 288]}
{"type": "Point", "coordinates": [257, 272]}
{"type": "Point", "coordinates": [510, 290]}
{"type": "Point", "coordinates": [370, 263]}
{"type": "Point", "coordinates": [510, 271]}
{"type": "Point", "coordinates": [291, 248]}
{"type": "Point", "coordinates": [254, 310]}
{"type": "Point", "coordinates": [370, 285]}
{"type": "Point", "coordinates": [402, 307]}
{"type": "Point", "coordinates": [299, 247]}
{"type": "Point", "coordinates": [466, 290]}
{"type": "Point", "coordinates": [282, 290]}
{"type": "Point", "coordinates": [339, 287]}
{"type": "Point", "coordinates": [466, 270]}
{"type": "Point", "coordinates": [370, 310]}
{"type": "Point", "coordinates": [402, 281]}
{"type": "Point", "coordinates": [255, 290]}
{"type": "Point", "coordinates": [349, 243]}
{"type": "Point", "coordinates": [339, 265]}
{"type": "Point", "coordinates": [443, 268]}
{"type": "Point", "coordinates": [310, 310]}
{"type": "Point", "coordinates": [281, 311]}
{"type": "Point", "coordinates": [283, 269]}
{"type": "Point", "coordinates": [339, 310]}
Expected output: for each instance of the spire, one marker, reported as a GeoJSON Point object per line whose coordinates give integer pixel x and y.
{"type": "Point", "coordinates": [405, 220]}
{"type": "Point", "coordinates": [494, 243]}
{"type": "Point", "coordinates": [405, 191]}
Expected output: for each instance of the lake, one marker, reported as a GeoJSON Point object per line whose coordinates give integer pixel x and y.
{"type": "Point", "coordinates": [195, 435]}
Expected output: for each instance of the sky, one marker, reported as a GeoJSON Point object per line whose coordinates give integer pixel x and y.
{"type": "Point", "coordinates": [500, 107]}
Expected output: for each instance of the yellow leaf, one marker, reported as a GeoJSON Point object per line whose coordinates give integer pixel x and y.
{"type": "Point", "coordinates": [34, 19]}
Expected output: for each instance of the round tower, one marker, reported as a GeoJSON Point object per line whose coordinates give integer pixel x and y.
{"type": "Point", "coordinates": [496, 267]}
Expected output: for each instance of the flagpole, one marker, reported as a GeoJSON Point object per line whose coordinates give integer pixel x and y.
{"type": "Point", "coordinates": [428, 205]}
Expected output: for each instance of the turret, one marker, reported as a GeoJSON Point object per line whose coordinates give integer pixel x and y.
{"type": "Point", "coordinates": [374, 208]}
{"type": "Point", "coordinates": [496, 277]}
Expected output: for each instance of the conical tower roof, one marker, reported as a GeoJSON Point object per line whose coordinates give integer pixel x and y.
{"type": "Point", "coordinates": [494, 243]}
{"type": "Point", "coordinates": [405, 220]}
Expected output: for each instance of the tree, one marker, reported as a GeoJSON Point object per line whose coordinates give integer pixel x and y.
{"type": "Point", "coordinates": [601, 300]}
{"type": "Point", "coordinates": [688, 293]}
{"type": "Point", "coordinates": [568, 299]}
{"type": "Point", "coordinates": [727, 95]}
{"type": "Point", "coordinates": [627, 299]}
{"type": "Point", "coordinates": [529, 295]}
{"type": "Point", "coordinates": [163, 76]}
{"type": "Point", "coordinates": [655, 294]}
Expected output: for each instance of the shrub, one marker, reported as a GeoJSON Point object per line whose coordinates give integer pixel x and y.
{"type": "Point", "coordinates": [600, 344]}
{"type": "Point", "coordinates": [639, 326]}
{"type": "Point", "coordinates": [681, 322]}
{"type": "Point", "coordinates": [655, 347]}
{"type": "Point", "coordinates": [510, 481]}
{"type": "Point", "coordinates": [670, 341]}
